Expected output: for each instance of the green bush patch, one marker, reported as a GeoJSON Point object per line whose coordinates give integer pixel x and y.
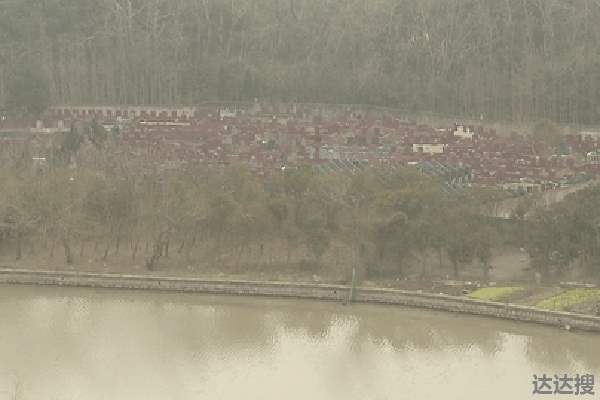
{"type": "Point", "coordinates": [568, 299]}
{"type": "Point", "coordinates": [495, 293]}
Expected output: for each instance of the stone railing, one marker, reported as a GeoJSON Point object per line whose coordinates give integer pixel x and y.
{"type": "Point", "coordinates": [306, 291]}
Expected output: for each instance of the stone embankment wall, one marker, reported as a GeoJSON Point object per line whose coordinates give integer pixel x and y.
{"type": "Point", "coordinates": [305, 291]}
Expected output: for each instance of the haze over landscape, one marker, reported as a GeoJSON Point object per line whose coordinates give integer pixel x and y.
{"type": "Point", "coordinates": [510, 59]}
{"type": "Point", "coordinates": [439, 154]}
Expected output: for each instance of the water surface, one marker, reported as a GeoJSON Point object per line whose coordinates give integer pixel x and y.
{"type": "Point", "coordinates": [67, 343]}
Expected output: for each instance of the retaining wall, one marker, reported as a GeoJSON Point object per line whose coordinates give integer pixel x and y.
{"type": "Point", "coordinates": [306, 291]}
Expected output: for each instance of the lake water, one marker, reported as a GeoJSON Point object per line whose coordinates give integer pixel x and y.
{"type": "Point", "coordinates": [79, 344]}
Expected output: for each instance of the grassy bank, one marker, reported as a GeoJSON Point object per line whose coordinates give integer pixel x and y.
{"type": "Point", "coordinates": [496, 293]}
{"type": "Point", "coordinates": [570, 299]}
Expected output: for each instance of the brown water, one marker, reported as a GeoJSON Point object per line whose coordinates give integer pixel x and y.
{"type": "Point", "coordinates": [84, 344]}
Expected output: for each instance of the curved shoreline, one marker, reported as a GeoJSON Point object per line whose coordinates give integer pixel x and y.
{"type": "Point", "coordinates": [305, 291]}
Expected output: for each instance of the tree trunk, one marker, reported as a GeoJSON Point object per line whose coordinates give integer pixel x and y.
{"type": "Point", "coordinates": [32, 249]}
{"type": "Point", "coordinates": [380, 256]}
{"type": "Point", "coordinates": [167, 244]}
{"type": "Point", "coordinates": [52, 244]}
{"type": "Point", "coordinates": [151, 261]}
{"type": "Point", "coordinates": [289, 252]}
{"type": "Point", "coordinates": [486, 272]}
{"type": "Point", "coordinates": [106, 249]}
{"type": "Point", "coordinates": [456, 269]}
{"type": "Point", "coordinates": [19, 254]}
{"type": "Point", "coordinates": [118, 243]}
{"type": "Point", "coordinates": [424, 272]}
{"type": "Point", "coordinates": [134, 249]}
{"type": "Point", "coordinates": [68, 255]}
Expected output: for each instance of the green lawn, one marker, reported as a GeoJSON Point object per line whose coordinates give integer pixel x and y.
{"type": "Point", "coordinates": [495, 293]}
{"type": "Point", "coordinates": [569, 298]}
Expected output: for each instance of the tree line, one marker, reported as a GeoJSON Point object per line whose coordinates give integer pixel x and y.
{"type": "Point", "coordinates": [518, 60]}
{"type": "Point", "coordinates": [384, 222]}
{"type": "Point", "coordinates": [567, 235]}
{"type": "Point", "coordinates": [93, 200]}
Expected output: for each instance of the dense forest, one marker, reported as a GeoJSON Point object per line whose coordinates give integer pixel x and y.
{"type": "Point", "coordinates": [517, 60]}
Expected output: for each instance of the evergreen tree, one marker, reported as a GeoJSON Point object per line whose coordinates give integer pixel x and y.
{"type": "Point", "coordinates": [97, 134]}
{"type": "Point", "coordinates": [70, 145]}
